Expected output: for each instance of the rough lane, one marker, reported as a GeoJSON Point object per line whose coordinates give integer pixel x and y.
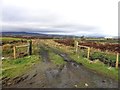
{"type": "Point", "coordinates": [47, 75]}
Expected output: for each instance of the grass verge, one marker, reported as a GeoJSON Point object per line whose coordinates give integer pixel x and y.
{"type": "Point", "coordinates": [98, 67]}
{"type": "Point", "coordinates": [56, 59]}
{"type": "Point", "coordinates": [16, 67]}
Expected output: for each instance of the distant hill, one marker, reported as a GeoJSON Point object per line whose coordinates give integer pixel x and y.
{"type": "Point", "coordinates": [34, 35]}
{"type": "Point", "coordinates": [21, 34]}
{"type": "Point", "coordinates": [40, 35]}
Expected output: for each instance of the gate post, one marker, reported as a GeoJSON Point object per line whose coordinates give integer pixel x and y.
{"type": "Point", "coordinates": [76, 46]}
{"type": "Point", "coordinates": [88, 54]}
{"type": "Point", "coordinates": [117, 60]}
{"type": "Point", "coordinates": [30, 47]}
{"type": "Point", "coordinates": [14, 52]}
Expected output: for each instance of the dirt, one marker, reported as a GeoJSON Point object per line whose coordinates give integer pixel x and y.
{"type": "Point", "coordinates": [71, 75]}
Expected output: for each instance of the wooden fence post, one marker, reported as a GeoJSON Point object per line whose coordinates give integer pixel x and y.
{"type": "Point", "coordinates": [76, 46]}
{"type": "Point", "coordinates": [117, 60]}
{"type": "Point", "coordinates": [30, 47]}
{"type": "Point", "coordinates": [88, 54]}
{"type": "Point", "coordinates": [14, 52]}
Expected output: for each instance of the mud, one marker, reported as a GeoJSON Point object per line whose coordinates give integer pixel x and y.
{"type": "Point", "coordinates": [71, 75]}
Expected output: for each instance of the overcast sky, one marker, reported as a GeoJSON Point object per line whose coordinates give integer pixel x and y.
{"type": "Point", "coordinates": [69, 17]}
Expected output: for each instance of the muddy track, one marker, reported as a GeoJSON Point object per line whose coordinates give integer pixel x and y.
{"type": "Point", "coordinates": [65, 56]}
{"type": "Point", "coordinates": [47, 75]}
{"type": "Point", "coordinates": [44, 54]}
{"type": "Point", "coordinates": [77, 73]}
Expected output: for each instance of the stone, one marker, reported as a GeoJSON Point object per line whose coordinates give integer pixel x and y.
{"type": "Point", "coordinates": [75, 86]}
{"type": "Point", "coordinates": [109, 68]}
{"type": "Point", "coordinates": [9, 84]}
{"type": "Point", "coordinates": [86, 84]}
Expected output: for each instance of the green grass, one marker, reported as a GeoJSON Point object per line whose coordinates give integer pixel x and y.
{"type": "Point", "coordinates": [56, 59]}
{"type": "Point", "coordinates": [16, 67]}
{"type": "Point", "coordinates": [10, 38]}
{"type": "Point", "coordinates": [103, 55]}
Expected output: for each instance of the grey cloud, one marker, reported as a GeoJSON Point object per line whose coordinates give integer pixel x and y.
{"type": "Point", "coordinates": [59, 31]}
{"type": "Point", "coordinates": [76, 27]}
{"type": "Point", "coordinates": [14, 14]}
{"type": "Point", "coordinates": [49, 30]}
